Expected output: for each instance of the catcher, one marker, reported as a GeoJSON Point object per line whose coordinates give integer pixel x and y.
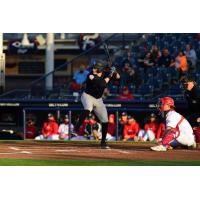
{"type": "Point", "coordinates": [178, 130]}
{"type": "Point", "coordinates": [91, 98]}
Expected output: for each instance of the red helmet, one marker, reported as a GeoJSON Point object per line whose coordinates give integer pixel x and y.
{"type": "Point", "coordinates": [165, 101]}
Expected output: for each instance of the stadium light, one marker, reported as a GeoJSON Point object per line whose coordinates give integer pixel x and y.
{"type": "Point", "coordinates": [25, 41]}
{"type": "Point", "coordinates": [62, 36]}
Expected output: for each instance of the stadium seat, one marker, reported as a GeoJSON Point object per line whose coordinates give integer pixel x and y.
{"type": "Point", "coordinates": [146, 91]}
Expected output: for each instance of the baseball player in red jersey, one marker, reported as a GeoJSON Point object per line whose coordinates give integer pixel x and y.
{"type": "Point", "coordinates": [49, 129]}
{"type": "Point", "coordinates": [131, 129]}
{"type": "Point", "coordinates": [178, 131]}
{"type": "Point", "coordinates": [150, 129]}
{"type": "Point", "coordinates": [30, 130]}
{"type": "Point", "coordinates": [111, 125]}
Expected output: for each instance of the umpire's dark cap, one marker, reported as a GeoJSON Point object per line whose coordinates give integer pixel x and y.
{"type": "Point", "coordinates": [188, 79]}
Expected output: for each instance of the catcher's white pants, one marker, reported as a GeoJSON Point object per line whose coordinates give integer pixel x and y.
{"type": "Point", "coordinates": [146, 135]}
{"type": "Point", "coordinates": [185, 139]}
{"type": "Point", "coordinates": [90, 103]}
{"type": "Point", "coordinates": [52, 137]}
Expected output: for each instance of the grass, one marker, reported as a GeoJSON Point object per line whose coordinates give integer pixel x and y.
{"type": "Point", "coordinates": [31, 162]}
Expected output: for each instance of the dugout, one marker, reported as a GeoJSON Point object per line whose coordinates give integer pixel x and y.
{"type": "Point", "coordinates": [140, 110]}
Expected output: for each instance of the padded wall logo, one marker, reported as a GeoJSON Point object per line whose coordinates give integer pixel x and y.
{"type": "Point", "coordinates": [16, 47]}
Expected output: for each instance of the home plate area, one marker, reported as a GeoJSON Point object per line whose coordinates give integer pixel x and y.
{"type": "Point", "coordinates": [90, 151]}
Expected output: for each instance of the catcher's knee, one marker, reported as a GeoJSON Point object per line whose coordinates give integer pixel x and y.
{"type": "Point", "coordinates": [174, 143]}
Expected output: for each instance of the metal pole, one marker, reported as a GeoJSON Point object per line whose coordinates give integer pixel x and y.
{"type": "Point", "coordinates": [49, 63]}
{"type": "Point", "coordinates": [70, 122]}
{"type": "Point", "coordinates": [2, 66]}
{"type": "Point", "coordinates": [117, 125]}
{"type": "Point", "coordinates": [58, 115]}
{"type": "Point", "coordinates": [24, 123]}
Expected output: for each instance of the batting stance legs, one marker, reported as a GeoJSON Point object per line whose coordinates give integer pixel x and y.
{"type": "Point", "coordinates": [91, 98]}
{"type": "Point", "coordinates": [90, 103]}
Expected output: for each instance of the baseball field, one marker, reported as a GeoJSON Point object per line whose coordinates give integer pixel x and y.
{"type": "Point", "coordinates": [88, 153]}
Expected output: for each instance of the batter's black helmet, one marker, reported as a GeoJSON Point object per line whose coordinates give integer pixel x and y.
{"type": "Point", "coordinates": [99, 65]}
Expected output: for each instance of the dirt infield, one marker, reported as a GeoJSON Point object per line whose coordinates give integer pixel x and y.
{"type": "Point", "coordinates": [91, 151]}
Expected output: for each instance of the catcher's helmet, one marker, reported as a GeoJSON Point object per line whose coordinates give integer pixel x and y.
{"type": "Point", "coordinates": [165, 101]}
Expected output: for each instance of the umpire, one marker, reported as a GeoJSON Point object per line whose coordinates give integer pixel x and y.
{"type": "Point", "coordinates": [91, 98]}
{"type": "Point", "coordinates": [192, 95]}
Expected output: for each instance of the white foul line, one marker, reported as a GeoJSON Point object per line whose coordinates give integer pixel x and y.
{"type": "Point", "coordinates": [121, 151]}
{"type": "Point", "coordinates": [20, 152]}
{"type": "Point", "coordinates": [14, 148]}
{"type": "Point", "coordinates": [25, 152]}
{"type": "Point", "coordinates": [65, 150]}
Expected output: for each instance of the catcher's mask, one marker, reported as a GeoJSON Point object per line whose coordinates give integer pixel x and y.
{"type": "Point", "coordinates": [165, 101]}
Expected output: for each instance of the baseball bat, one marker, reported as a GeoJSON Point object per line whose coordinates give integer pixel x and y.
{"type": "Point", "coordinates": [107, 54]}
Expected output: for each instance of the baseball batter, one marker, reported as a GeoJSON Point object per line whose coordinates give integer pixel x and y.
{"type": "Point", "coordinates": [91, 98]}
{"type": "Point", "coordinates": [178, 130]}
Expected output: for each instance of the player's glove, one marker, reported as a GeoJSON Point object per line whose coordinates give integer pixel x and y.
{"type": "Point", "coordinates": [112, 71]}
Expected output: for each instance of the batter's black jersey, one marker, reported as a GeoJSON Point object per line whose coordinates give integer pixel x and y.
{"type": "Point", "coordinates": [95, 85]}
{"type": "Point", "coordinates": [193, 99]}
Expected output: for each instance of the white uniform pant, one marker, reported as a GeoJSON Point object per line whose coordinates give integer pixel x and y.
{"type": "Point", "coordinates": [90, 103]}
{"type": "Point", "coordinates": [185, 139]}
{"type": "Point", "coordinates": [146, 135]}
{"type": "Point", "coordinates": [78, 138]}
{"type": "Point", "coordinates": [52, 137]}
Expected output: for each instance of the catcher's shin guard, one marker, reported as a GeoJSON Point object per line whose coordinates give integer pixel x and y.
{"type": "Point", "coordinates": [104, 132]}
{"type": "Point", "coordinates": [168, 139]}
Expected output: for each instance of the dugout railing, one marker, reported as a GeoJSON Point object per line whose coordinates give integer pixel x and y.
{"type": "Point", "coordinates": [59, 112]}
